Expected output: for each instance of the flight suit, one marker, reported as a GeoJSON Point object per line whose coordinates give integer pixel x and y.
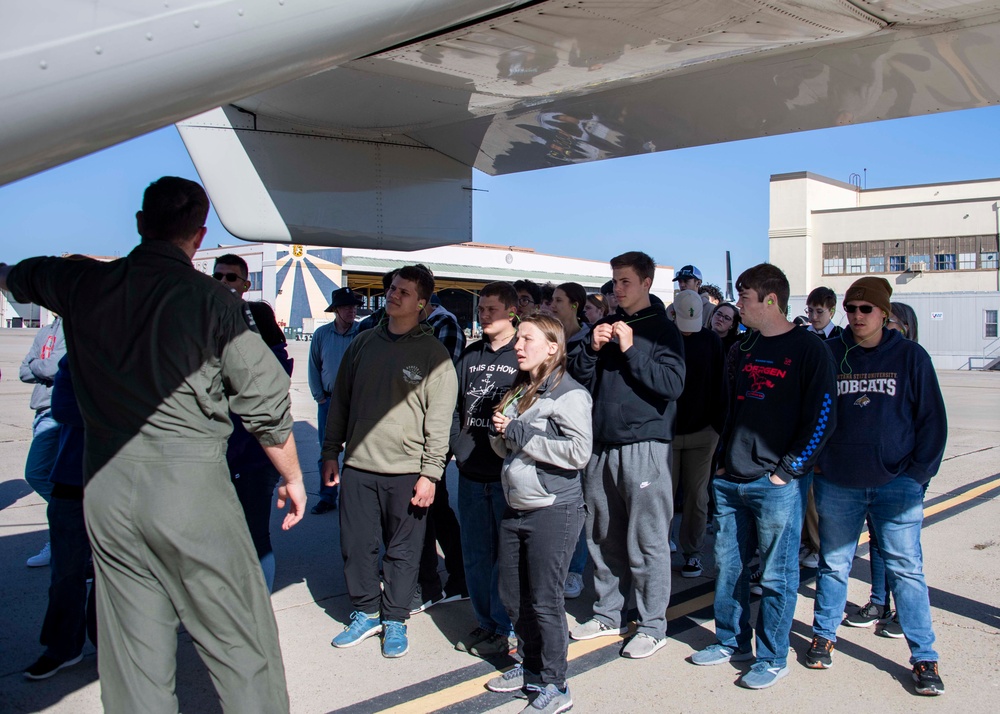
{"type": "Point", "coordinates": [159, 354]}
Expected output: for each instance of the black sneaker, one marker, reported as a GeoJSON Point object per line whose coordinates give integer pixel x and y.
{"type": "Point", "coordinates": [692, 568]}
{"type": "Point", "coordinates": [890, 626]}
{"type": "Point", "coordinates": [755, 588]}
{"type": "Point", "coordinates": [323, 507]}
{"type": "Point", "coordinates": [818, 656]}
{"type": "Point", "coordinates": [45, 667]}
{"type": "Point", "coordinates": [927, 680]}
{"type": "Point", "coordinates": [421, 603]}
{"type": "Point", "coordinates": [867, 615]}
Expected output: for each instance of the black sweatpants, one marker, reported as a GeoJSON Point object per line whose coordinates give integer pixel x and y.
{"type": "Point", "coordinates": [375, 510]}
{"type": "Point", "coordinates": [442, 527]}
{"type": "Point", "coordinates": [535, 550]}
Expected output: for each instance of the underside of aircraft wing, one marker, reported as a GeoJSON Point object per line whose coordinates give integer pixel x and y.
{"type": "Point", "coordinates": [365, 131]}
{"type": "Point", "coordinates": [556, 83]}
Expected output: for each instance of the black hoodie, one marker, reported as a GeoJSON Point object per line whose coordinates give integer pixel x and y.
{"type": "Point", "coordinates": [634, 392]}
{"type": "Point", "coordinates": [484, 377]}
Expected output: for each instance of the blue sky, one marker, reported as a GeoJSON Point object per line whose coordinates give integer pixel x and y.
{"type": "Point", "coordinates": [685, 206]}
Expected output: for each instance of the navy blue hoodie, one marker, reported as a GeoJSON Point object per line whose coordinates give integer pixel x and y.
{"type": "Point", "coordinates": [635, 392]}
{"type": "Point", "coordinates": [891, 417]}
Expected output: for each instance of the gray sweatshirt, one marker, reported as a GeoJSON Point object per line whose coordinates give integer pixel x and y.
{"type": "Point", "coordinates": [545, 448]}
{"type": "Point", "coordinates": [40, 365]}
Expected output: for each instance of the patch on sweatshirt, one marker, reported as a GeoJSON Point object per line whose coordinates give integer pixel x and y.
{"type": "Point", "coordinates": [412, 374]}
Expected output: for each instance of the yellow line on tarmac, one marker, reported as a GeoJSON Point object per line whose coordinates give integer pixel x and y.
{"type": "Point", "coordinates": [474, 687]}
{"type": "Point", "coordinates": [949, 503]}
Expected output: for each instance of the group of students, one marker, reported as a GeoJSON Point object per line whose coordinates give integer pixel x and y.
{"type": "Point", "coordinates": [590, 419]}
{"type": "Point", "coordinates": [560, 423]}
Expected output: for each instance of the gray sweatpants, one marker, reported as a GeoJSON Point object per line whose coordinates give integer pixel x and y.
{"type": "Point", "coordinates": [171, 546]}
{"type": "Point", "coordinates": [629, 497]}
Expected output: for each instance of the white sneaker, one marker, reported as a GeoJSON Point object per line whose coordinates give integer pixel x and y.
{"type": "Point", "coordinates": [808, 558]}
{"type": "Point", "coordinates": [43, 558]}
{"type": "Point", "coordinates": [574, 586]}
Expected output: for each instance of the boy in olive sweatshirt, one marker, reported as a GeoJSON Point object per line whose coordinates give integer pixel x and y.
{"type": "Point", "coordinates": [392, 405]}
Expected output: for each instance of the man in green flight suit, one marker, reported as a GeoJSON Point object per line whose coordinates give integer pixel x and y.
{"type": "Point", "coordinates": [160, 354]}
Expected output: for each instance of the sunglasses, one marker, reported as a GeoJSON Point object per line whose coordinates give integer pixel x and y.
{"type": "Point", "coordinates": [866, 309]}
{"type": "Point", "coordinates": [230, 277]}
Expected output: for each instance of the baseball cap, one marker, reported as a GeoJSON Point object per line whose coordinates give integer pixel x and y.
{"type": "Point", "coordinates": [342, 297]}
{"type": "Point", "coordinates": [688, 311]}
{"type": "Point", "coordinates": [688, 272]}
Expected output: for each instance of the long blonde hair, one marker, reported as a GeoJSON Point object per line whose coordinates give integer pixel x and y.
{"type": "Point", "coordinates": [524, 390]}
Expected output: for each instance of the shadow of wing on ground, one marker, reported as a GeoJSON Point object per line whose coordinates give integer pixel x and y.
{"type": "Point", "coordinates": [13, 491]}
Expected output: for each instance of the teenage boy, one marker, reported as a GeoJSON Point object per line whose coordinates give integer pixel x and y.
{"type": "Point", "coordinates": [529, 298]}
{"type": "Point", "coordinates": [392, 404]}
{"type": "Point", "coordinates": [781, 415]}
{"type": "Point", "coordinates": [634, 367]}
{"type": "Point", "coordinates": [486, 369]}
{"type": "Point", "coordinates": [889, 443]}
{"type": "Point", "coordinates": [821, 306]}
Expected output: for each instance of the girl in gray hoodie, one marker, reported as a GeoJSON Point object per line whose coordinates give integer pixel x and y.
{"type": "Point", "coordinates": [543, 430]}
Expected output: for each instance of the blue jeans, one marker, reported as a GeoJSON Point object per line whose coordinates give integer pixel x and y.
{"type": "Point", "coordinates": [880, 578]}
{"type": "Point", "coordinates": [42, 453]}
{"type": "Point", "coordinates": [480, 509]}
{"type": "Point", "coordinates": [897, 512]}
{"type": "Point", "coordinates": [578, 563]}
{"type": "Point", "coordinates": [775, 512]}
{"type": "Point", "coordinates": [326, 493]}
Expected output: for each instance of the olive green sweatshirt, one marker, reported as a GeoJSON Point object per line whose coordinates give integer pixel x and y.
{"type": "Point", "coordinates": [393, 403]}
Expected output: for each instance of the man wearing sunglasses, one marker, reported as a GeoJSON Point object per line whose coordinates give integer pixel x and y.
{"type": "Point", "coordinates": [889, 443]}
{"type": "Point", "coordinates": [233, 272]}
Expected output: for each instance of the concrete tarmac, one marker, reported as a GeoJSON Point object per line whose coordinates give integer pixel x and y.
{"type": "Point", "coordinates": [962, 562]}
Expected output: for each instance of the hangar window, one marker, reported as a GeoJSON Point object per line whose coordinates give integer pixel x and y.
{"type": "Point", "coordinates": [990, 323]}
{"type": "Point", "coordinates": [897, 263]}
{"type": "Point", "coordinates": [966, 261]}
{"type": "Point", "coordinates": [945, 261]}
{"type": "Point", "coordinates": [876, 264]}
{"type": "Point", "coordinates": [833, 258]}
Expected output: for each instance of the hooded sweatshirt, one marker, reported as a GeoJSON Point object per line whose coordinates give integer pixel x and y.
{"type": "Point", "coordinates": [393, 404]}
{"type": "Point", "coordinates": [484, 377]}
{"type": "Point", "coordinates": [545, 447]}
{"type": "Point", "coordinates": [40, 365]}
{"type": "Point", "coordinates": [635, 392]}
{"type": "Point", "coordinates": [891, 419]}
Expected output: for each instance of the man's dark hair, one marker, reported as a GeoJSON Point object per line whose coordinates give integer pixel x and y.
{"type": "Point", "coordinates": [230, 259]}
{"type": "Point", "coordinates": [420, 276]}
{"type": "Point", "coordinates": [173, 209]}
{"type": "Point", "coordinates": [267, 325]}
{"type": "Point", "coordinates": [547, 291]}
{"type": "Point", "coordinates": [712, 291]}
{"type": "Point", "coordinates": [822, 296]}
{"type": "Point", "coordinates": [641, 263]}
{"type": "Point", "coordinates": [387, 279]}
{"type": "Point", "coordinates": [765, 279]}
{"type": "Point", "coordinates": [608, 288]}
{"type": "Point", "coordinates": [501, 290]}
{"type": "Point", "coordinates": [533, 289]}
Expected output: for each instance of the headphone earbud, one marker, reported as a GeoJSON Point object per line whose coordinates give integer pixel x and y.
{"type": "Point", "coordinates": [574, 306]}
{"type": "Point", "coordinates": [420, 306]}
{"type": "Point", "coordinates": [511, 314]}
{"type": "Point", "coordinates": [770, 302]}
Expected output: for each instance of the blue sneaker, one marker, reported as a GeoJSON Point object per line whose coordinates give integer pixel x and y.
{"type": "Point", "coordinates": [719, 654]}
{"type": "Point", "coordinates": [361, 628]}
{"type": "Point", "coordinates": [394, 642]}
{"type": "Point", "coordinates": [762, 675]}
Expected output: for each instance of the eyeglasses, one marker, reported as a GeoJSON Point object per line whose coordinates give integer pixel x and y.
{"type": "Point", "coordinates": [229, 277]}
{"type": "Point", "coordinates": [723, 316]}
{"type": "Point", "coordinates": [866, 309]}
{"type": "Point", "coordinates": [525, 300]}
{"type": "Point", "coordinates": [817, 311]}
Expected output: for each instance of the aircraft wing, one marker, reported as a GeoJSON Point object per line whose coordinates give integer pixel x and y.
{"type": "Point", "coordinates": [376, 148]}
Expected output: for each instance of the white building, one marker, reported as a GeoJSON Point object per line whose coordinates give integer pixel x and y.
{"type": "Point", "coordinates": [298, 279]}
{"type": "Point", "coordinates": [936, 244]}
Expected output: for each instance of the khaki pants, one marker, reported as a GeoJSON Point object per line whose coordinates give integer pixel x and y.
{"type": "Point", "coordinates": [171, 546]}
{"type": "Point", "coordinates": [692, 469]}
